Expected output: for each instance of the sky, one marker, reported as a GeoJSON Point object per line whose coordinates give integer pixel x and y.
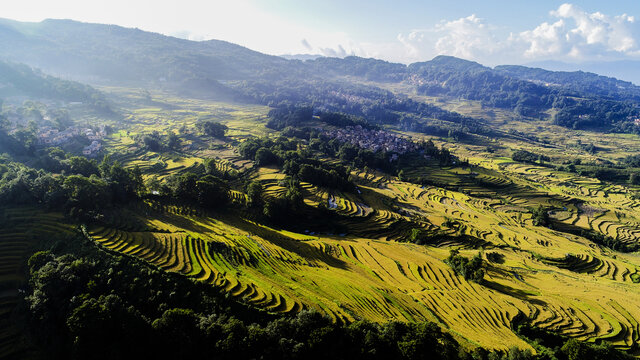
{"type": "Point", "coordinates": [489, 31]}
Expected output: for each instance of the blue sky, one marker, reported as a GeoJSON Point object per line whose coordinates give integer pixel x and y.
{"type": "Point", "coordinates": [491, 32]}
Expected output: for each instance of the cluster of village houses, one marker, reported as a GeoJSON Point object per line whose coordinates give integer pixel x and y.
{"type": "Point", "coordinates": [374, 140]}
{"type": "Point", "coordinates": [48, 136]}
{"type": "Point", "coordinates": [635, 119]}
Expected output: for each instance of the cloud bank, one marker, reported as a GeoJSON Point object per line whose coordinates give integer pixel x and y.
{"type": "Point", "coordinates": [572, 34]}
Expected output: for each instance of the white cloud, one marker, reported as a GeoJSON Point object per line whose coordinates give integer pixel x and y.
{"type": "Point", "coordinates": [467, 37]}
{"type": "Point", "coordinates": [546, 39]}
{"type": "Point", "coordinates": [569, 33]}
{"type": "Point", "coordinates": [581, 35]}
{"type": "Point", "coordinates": [574, 33]}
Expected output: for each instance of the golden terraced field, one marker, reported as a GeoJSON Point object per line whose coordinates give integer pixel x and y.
{"type": "Point", "coordinates": [561, 282]}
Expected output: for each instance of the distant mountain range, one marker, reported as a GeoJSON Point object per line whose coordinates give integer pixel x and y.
{"type": "Point", "coordinates": [98, 53]}
{"type": "Point", "coordinates": [622, 69]}
{"type": "Point", "coordinates": [109, 54]}
{"type": "Point", "coordinates": [301, 57]}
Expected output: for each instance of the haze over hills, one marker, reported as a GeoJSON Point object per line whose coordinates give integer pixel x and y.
{"type": "Point", "coordinates": [166, 198]}
{"type": "Point", "coordinates": [114, 55]}
{"type": "Point", "coordinates": [96, 52]}
{"type": "Point", "coordinates": [621, 69]}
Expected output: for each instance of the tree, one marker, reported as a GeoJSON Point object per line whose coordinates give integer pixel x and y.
{"type": "Point", "coordinates": [265, 157]}
{"type": "Point", "coordinates": [575, 350]}
{"type": "Point", "coordinates": [212, 192]}
{"type": "Point", "coordinates": [80, 165]}
{"type": "Point", "coordinates": [254, 193]}
{"type": "Point", "coordinates": [152, 143]}
{"type": "Point", "coordinates": [105, 320]}
{"type": "Point", "coordinates": [212, 128]}
{"type": "Point", "coordinates": [86, 193]}
{"type": "Point", "coordinates": [184, 186]}
{"type": "Point", "coordinates": [540, 216]}
{"type": "Point", "coordinates": [468, 269]}
{"type": "Point", "coordinates": [427, 341]}
{"type": "Point", "coordinates": [173, 141]}
{"type": "Point", "coordinates": [179, 333]}
{"type": "Point", "coordinates": [126, 184]}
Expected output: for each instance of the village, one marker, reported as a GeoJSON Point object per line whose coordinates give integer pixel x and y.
{"type": "Point", "coordinates": [374, 140]}
{"type": "Point", "coordinates": [49, 136]}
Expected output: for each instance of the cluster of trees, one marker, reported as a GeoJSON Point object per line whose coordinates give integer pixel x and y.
{"type": "Point", "coordinates": [631, 161]}
{"type": "Point", "coordinates": [352, 154]}
{"type": "Point", "coordinates": [359, 157]}
{"type": "Point", "coordinates": [296, 116]}
{"type": "Point", "coordinates": [471, 269]}
{"type": "Point", "coordinates": [282, 117]}
{"type": "Point", "coordinates": [205, 186]}
{"type": "Point", "coordinates": [205, 190]}
{"type": "Point", "coordinates": [157, 142]}
{"type": "Point", "coordinates": [211, 128]}
{"type": "Point", "coordinates": [540, 216]}
{"type": "Point", "coordinates": [458, 131]}
{"type": "Point", "coordinates": [318, 173]}
{"type": "Point", "coordinates": [594, 113]}
{"type": "Point", "coordinates": [296, 162]}
{"type": "Point", "coordinates": [85, 188]}
{"type": "Point", "coordinates": [286, 207]}
{"type": "Point", "coordinates": [625, 171]}
{"type": "Point", "coordinates": [529, 157]}
{"type": "Point", "coordinates": [282, 209]}
{"type": "Point", "coordinates": [608, 241]}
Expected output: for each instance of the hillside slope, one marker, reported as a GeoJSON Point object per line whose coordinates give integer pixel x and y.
{"type": "Point", "coordinates": [98, 52]}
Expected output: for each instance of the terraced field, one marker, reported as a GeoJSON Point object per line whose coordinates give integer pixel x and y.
{"type": "Point", "coordinates": [344, 277]}
{"type": "Point", "coordinates": [20, 231]}
{"type": "Point", "coordinates": [557, 279]}
{"type": "Point", "coordinates": [349, 276]}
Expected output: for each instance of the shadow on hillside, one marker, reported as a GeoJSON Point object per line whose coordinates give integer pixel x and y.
{"type": "Point", "coordinates": [300, 248]}
{"type": "Point", "coordinates": [180, 221]}
{"type": "Point", "coordinates": [510, 291]}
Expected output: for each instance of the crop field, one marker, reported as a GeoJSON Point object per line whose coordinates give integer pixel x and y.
{"type": "Point", "coordinates": [561, 282]}
{"type": "Point", "coordinates": [361, 267]}
{"type": "Point", "coordinates": [162, 113]}
{"type": "Point", "coordinates": [20, 231]}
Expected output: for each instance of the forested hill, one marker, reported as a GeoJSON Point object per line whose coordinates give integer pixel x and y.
{"type": "Point", "coordinates": [23, 81]}
{"type": "Point", "coordinates": [580, 81]}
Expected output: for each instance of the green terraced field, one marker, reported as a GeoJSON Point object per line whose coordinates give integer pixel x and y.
{"type": "Point", "coordinates": [558, 280]}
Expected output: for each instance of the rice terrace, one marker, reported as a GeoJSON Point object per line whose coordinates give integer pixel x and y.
{"type": "Point", "coordinates": [201, 198]}
{"type": "Point", "coordinates": [371, 270]}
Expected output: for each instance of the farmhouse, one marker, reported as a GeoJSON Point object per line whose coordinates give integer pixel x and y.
{"type": "Point", "coordinates": [92, 149]}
